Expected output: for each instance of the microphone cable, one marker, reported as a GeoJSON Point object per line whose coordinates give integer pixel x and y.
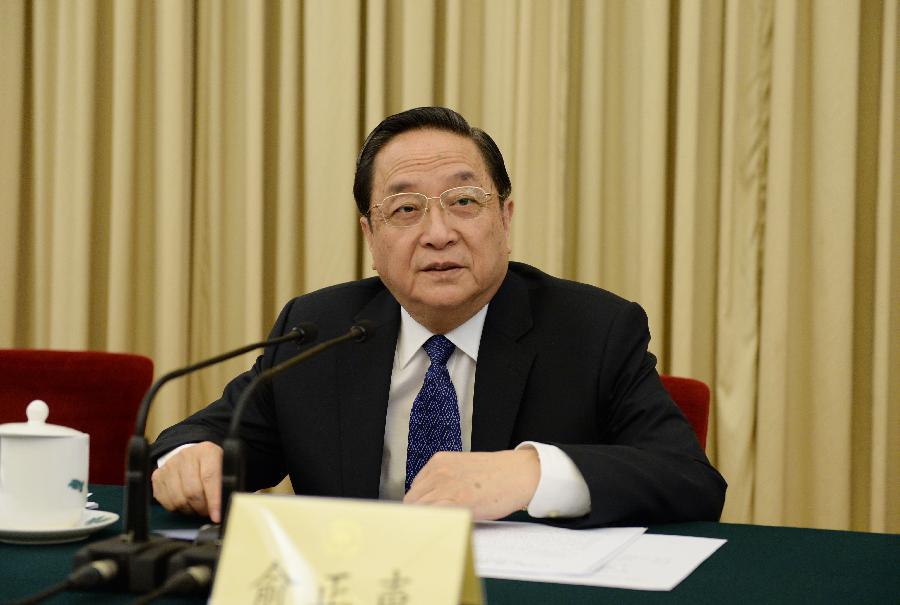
{"type": "Point", "coordinates": [90, 575]}
{"type": "Point", "coordinates": [192, 580]}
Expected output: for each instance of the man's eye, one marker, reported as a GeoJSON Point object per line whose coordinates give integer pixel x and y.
{"type": "Point", "coordinates": [464, 201]}
{"type": "Point", "coordinates": [404, 209]}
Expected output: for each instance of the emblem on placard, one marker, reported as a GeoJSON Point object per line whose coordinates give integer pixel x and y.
{"type": "Point", "coordinates": [77, 485]}
{"type": "Point", "coordinates": [343, 538]}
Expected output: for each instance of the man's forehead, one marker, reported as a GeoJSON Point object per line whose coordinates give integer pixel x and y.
{"type": "Point", "coordinates": [412, 155]}
{"type": "Point", "coordinates": [463, 177]}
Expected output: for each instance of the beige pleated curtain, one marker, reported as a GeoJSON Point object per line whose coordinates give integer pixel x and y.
{"type": "Point", "coordinates": [172, 172]}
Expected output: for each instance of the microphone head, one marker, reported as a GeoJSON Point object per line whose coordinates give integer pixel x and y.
{"type": "Point", "coordinates": [364, 329]}
{"type": "Point", "coordinates": [306, 332]}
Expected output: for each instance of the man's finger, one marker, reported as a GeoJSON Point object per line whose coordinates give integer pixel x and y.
{"type": "Point", "coordinates": [190, 481]}
{"type": "Point", "coordinates": [160, 491]}
{"type": "Point", "coordinates": [416, 494]}
{"type": "Point", "coordinates": [211, 477]}
{"type": "Point", "coordinates": [171, 493]}
{"type": "Point", "coordinates": [187, 466]}
{"type": "Point", "coordinates": [425, 488]}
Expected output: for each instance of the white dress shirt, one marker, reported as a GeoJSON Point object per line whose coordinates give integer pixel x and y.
{"type": "Point", "coordinates": [561, 491]}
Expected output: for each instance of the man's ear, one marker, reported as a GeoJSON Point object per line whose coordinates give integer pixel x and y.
{"type": "Point", "coordinates": [366, 227]}
{"type": "Point", "coordinates": [506, 214]}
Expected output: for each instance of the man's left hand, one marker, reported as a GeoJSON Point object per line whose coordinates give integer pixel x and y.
{"type": "Point", "coordinates": [491, 484]}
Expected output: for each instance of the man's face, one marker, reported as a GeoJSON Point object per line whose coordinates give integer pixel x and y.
{"type": "Point", "coordinates": [444, 269]}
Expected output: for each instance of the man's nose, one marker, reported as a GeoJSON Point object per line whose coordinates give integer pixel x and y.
{"type": "Point", "coordinates": [436, 230]}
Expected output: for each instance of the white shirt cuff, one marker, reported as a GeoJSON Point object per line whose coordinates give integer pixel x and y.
{"type": "Point", "coordinates": [562, 490]}
{"type": "Point", "coordinates": [165, 457]}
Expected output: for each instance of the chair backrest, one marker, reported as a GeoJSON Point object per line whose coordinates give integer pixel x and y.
{"type": "Point", "coordinates": [692, 397]}
{"type": "Point", "coordinates": [97, 393]}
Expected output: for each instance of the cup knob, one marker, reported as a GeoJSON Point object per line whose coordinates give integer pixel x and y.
{"type": "Point", "coordinates": [37, 412]}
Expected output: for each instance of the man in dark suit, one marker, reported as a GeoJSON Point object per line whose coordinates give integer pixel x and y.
{"type": "Point", "coordinates": [488, 384]}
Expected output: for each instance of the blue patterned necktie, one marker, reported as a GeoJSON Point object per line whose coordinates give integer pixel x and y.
{"type": "Point", "coordinates": [434, 419]}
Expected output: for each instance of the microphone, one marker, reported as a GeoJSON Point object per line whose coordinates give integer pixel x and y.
{"type": "Point", "coordinates": [206, 549]}
{"type": "Point", "coordinates": [137, 494]}
{"type": "Point", "coordinates": [233, 471]}
{"type": "Point", "coordinates": [140, 558]}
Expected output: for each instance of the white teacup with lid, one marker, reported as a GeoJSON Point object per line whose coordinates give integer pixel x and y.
{"type": "Point", "coordinates": [43, 473]}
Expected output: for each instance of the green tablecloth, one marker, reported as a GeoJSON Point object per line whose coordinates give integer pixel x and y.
{"type": "Point", "coordinates": [758, 565]}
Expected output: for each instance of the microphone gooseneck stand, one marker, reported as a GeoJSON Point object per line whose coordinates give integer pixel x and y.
{"type": "Point", "coordinates": [233, 471]}
{"type": "Point", "coordinates": [139, 558]}
{"type": "Point", "coordinates": [137, 493]}
{"type": "Point", "coordinates": [206, 551]}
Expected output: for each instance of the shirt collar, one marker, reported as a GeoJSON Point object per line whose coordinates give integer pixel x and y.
{"type": "Point", "coordinates": [466, 337]}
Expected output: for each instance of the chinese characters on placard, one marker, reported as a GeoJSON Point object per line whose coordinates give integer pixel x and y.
{"type": "Point", "coordinates": [271, 588]}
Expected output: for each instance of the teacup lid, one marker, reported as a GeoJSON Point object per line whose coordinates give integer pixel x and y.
{"type": "Point", "coordinates": [37, 412]}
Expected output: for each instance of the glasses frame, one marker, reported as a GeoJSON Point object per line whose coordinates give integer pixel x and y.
{"type": "Point", "coordinates": [440, 198]}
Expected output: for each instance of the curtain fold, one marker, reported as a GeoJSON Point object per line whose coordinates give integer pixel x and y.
{"type": "Point", "coordinates": [172, 172]}
{"type": "Point", "coordinates": [881, 497]}
{"type": "Point", "coordinates": [747, 69]}
{"type": "Point", "coordinates": [16, 112]}
{"type": "Point", "coordinates": [696, 173]}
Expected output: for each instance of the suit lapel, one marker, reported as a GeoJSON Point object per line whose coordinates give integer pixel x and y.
{"type": "Point", "coordinates": [364, 371]}
{"type": "Point", "coordinates": [503, 366]}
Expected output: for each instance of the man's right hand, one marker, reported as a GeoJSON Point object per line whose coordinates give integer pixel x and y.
{"type": "Point", "coordinates": [191, 481]}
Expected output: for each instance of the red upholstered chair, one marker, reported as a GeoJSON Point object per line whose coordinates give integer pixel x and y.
{"type": "Point", "coordinates": [692, 396]}
{"type": "Point", "coordinates": [94, 392]}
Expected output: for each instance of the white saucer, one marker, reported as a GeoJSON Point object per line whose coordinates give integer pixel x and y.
{"type": "Point", "coordinates": [91, 521]}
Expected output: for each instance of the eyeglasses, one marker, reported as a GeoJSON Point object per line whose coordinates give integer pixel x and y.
{"type": "Point", "coordinates": [408, 209]}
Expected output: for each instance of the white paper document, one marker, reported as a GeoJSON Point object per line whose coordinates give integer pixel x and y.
{"type": "Point", "coordinates": [187, 535]}
{"type": "Point", "coordinates": [645, 562]}
{"type": "Point", "coordinates": [655, 562]}
{"type": "Point", "coordinates": [502, 547]}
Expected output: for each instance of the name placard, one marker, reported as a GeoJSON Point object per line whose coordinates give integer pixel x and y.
{"type": "Point", "coordinates": [297, 550]}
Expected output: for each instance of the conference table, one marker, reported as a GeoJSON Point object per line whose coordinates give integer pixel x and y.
{"type": "Point", "coordinates": [758, 564]}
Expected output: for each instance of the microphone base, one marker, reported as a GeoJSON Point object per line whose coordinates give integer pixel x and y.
{"type": "Point", "coordinates": [142, 565]}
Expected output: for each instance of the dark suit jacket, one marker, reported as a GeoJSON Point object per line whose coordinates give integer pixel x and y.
{"type": "Point", "coordinates": [559, 362]}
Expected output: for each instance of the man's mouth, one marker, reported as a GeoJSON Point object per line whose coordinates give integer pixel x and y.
{"type": "Point", "coordinates": [439, 267]}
